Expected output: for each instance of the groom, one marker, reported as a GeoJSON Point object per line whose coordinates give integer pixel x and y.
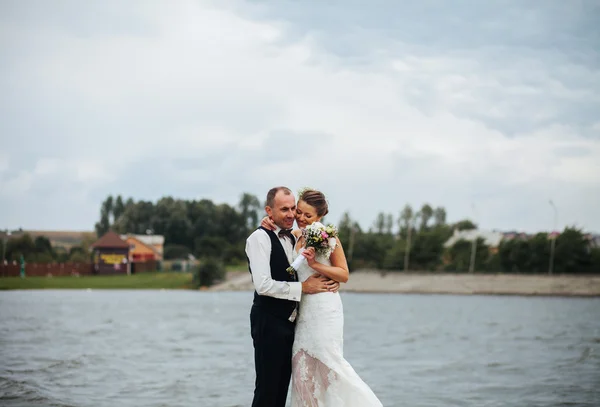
{"type": "Point", "coordinates": [276, 299]}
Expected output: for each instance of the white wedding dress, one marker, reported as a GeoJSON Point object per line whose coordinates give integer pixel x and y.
{"type": "Point", "coordinates": [321, 377]}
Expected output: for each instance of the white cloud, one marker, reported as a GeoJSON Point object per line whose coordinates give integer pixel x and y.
{"type": "Point", "coordinates": [46, 166]}
{"type": "Point", "coordinates": [204, 102]}
{"type": "Point", "coordinates": [17, 186]}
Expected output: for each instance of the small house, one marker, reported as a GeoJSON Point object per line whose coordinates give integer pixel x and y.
{"type": "Point", "coordinates": [111, 255]}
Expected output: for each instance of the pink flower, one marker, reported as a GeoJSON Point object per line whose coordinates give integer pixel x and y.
{"type": "Point", "coordinates": [324, 235]}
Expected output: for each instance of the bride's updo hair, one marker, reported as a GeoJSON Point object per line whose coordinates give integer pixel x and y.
{"type": "Point", "coordinates": [316, 199]}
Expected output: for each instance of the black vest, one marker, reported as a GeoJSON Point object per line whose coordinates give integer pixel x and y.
{"type": "Point", "coordinates": [278, 263]}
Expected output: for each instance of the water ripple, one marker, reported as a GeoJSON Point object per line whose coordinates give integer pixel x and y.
{"type": "Point", "coordinates": [179, 348]}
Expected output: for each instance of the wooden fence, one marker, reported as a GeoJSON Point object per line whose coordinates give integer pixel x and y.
{"type": "Point", "coordinates": [49, 269]}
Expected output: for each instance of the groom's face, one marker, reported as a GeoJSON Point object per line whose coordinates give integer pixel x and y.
{"type": "Point", "coordinates": [283, 210]}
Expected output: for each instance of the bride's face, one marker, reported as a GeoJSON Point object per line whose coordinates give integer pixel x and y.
{"type": "Point", "coordinates": [306, 214]}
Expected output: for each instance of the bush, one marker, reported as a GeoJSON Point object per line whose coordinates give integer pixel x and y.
{"type": "Point", "coordinates": [176, 251]}
{"type": "Point", "coordinates": [210, 271]}
{"type": "Point", "coordinates": [235, 254]}
{"type": "Point", "coordinates": [210, 246]}
{"type": "Point", "coordinates": [595, 260]}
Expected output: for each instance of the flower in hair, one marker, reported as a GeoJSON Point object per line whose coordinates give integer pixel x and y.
{"type": "Point", "coordinates": [302, 191]}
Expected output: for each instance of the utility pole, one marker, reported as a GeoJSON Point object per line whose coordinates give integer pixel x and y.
{"type": "Point", "coordinates": [473, 252]}
{"type": "Point", "coordinates": [553, 239]}
{"type": "Point", "coordinates": [473, 246]}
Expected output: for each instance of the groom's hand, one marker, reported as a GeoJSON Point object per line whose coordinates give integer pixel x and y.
{"type": "Point", "coordinates": [315, 284]}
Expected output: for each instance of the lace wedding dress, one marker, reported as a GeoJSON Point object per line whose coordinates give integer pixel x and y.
{"type": "Point", "coordinates": [321, 377]}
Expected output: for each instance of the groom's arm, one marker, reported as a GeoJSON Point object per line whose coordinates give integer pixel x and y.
{"type": "Point", "coordinates": [258, 250]}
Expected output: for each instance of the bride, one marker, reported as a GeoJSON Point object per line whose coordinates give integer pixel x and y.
{"type": "Point", "coordinates": [320, 374]}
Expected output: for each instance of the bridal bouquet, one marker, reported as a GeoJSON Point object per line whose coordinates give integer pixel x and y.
{"type": "Point", "coordinates": [319, 236]}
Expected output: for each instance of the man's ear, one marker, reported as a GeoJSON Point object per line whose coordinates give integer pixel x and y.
{"type": "Point", "coordinates": [269, 211]}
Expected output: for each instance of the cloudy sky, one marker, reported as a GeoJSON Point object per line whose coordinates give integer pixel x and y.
{"type": "Point", "coordinates": [464, 104]}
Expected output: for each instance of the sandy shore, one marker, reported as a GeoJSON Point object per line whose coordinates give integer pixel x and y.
{"type": "Point", "coordinates": [462, 284]}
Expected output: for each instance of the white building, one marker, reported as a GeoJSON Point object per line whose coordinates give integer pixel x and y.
{"type": "Point", "coordinates": [490, 237]}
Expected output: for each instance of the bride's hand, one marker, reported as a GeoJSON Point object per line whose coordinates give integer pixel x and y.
{"type": "Point", "coordinates": [268, 223]}
{"type": "Point", "coordinates": [309, 253]}
{"type": "Point", "coordinates": [332, 285]}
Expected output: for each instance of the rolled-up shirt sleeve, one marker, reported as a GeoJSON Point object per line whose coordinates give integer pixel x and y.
{"type": "Point", "coordinates": [258, 250]}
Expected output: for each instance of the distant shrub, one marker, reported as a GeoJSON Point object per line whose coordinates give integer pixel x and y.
{"type": "Point", "coordinates": [209, 272]}
{"type": "Point", "coordinates": [176, 251]}
{"type": "Point", "coordinates": [77, 256]}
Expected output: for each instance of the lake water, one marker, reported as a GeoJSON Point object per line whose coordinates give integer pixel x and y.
{"type": "Point", "coordinates": [186, 348]}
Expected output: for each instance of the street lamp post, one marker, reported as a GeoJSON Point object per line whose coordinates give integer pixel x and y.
{"type": "Point", "coordinates": [553, 239]}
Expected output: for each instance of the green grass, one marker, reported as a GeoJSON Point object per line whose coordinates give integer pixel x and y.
{"type": "Point", "coordinates": [242, 267]}
{"type": "Point", "coordinates": [136, 281]}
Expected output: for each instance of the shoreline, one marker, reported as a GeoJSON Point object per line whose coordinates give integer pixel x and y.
{"type": "Point", "coordinates": [374, 281]}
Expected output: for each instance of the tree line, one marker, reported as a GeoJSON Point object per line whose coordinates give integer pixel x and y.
{"type": "Point", "coordinates": [206, 229]}
{"type": "Point", "coordinates": [41, 250]}
{"type": "Point", "coordinates": [419, 245]}
{"type": "Point", "coordinates": [201, 228]}
{"type": "Point", "coordinates": [411, 241]}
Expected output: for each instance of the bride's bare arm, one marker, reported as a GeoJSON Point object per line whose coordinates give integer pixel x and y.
{"type": "Point", "coordinates": [338, 270]}
{"type": "Point", "coordinates": [267, 223]}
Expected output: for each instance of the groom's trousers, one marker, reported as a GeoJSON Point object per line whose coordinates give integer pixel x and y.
{"type": "Point", "coordinates": [273, 338]}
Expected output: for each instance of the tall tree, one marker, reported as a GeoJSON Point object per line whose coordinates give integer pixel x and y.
{"type": "Point", "coordinates": [21, 246]}
{"type": "Point", "coordinates": [250, 209]}
{"type": "Point", "coordinates": [347, 230]}
{"type": "Point", "coordinates": [380, 223]}
{"type": "Point", "coordinates": [106, 216]}
{"type": "Point", "coordinates": [118, 208]}
{"type": "Point", "coordinates": [439, 216]}
{"type": "Point", "coordinates": [426, 214]}
{"type": "Point", "coordinates": [389, 223]}
{"type": "Point", "coordinates": [572, 254]}
{"type": "Point", "coordinates": [202, 216]}
{"type": "Point", "coordinates": [42, 245]}
{"type": "Point", "coordinates": [405, 219]}
{"type": "Point", "coordinates": [108, 208]}
{"type": "Point", "coordinates": [344, 227]}
{"type": "Point", "coordinates": [103, 225]}
{"type": "Point", "coordinates": [409, 224]}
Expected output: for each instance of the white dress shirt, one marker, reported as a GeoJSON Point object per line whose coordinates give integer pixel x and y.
{"type": "Point", "coordinates": [258, 249]}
